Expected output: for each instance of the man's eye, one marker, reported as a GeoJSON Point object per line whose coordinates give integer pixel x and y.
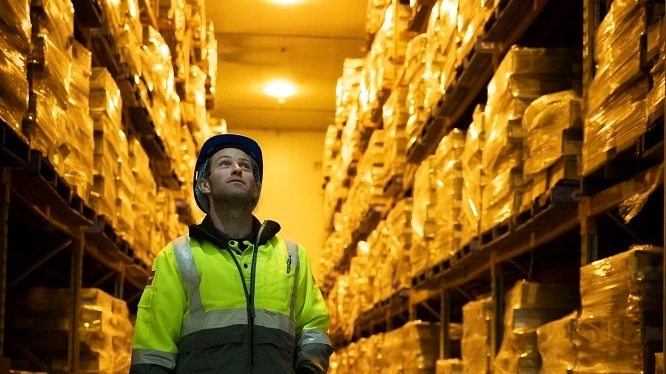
{"type": "Point", "coordinates": [225, 163]}
{"type": "Point", "coordinates": [245, 167]}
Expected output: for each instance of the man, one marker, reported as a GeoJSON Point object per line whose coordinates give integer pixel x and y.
{"type": "Point", "coordinates": [232, 296]}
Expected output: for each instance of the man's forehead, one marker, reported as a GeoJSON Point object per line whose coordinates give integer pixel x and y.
{"type": "Point", "coordinates": [231, 152]}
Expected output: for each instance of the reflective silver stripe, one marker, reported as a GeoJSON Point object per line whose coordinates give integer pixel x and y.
{"type": "Point", "coordinates": [313, 336]}
{"type": "Point", "coordinates": [149, 356]}
{"type": "Point", "coordinates": [231, 317]}
{"type": "Point", "coordinates": [188, 270]}
{"type": "Point", "coordinates": [292, 250]}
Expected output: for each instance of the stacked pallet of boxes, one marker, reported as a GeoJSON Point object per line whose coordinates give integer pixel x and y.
{"type": "Point", "coordinates": [619, 327]}
{"type": "Point", "coordinates": [555, 341]}
{"type": "Point", "coordinates": [616, 114]}
{"type": "Point", "coordinates": [49, 78]}
{"type": "Point", "coordinates": [15, 29]}
{"type": "Point", "coordinates": [528, 306]}
{"type": "Point", "coordinates": [41, 320]}
{"type": "Point", "coordinates": [393, 268]}
{"type": "Point", "coordinates": [110, 143]}
{"type": "Point", "coordinates": [475, 345]}
{"type": "Point", "coordinates": [78, 163]}
{"type": "Point", "coordinates": [523, 75]}
{"type": "Point", "coordinates": [437, 198]}
{"type": "Point", "coordinates": [553, 126]}
{"type": "Point", "coordinates": [523, 145]}
{"type": "Point", "coordinates": [474, 180]}
{"type": "Point", "coordinates": [410, 349]}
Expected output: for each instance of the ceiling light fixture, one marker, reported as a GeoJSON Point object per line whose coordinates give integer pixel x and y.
{"type": "Point", "coordinates": [280, 89]}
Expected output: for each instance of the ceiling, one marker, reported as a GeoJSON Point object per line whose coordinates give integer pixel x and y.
{"type": "Point", "coordinates": [306, 42]}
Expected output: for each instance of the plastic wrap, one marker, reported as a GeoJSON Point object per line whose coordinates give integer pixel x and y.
{"type": "Point", "coordinates": [52, 68]}
{"type": "Point", "coordinates": [555, 342]}
{"type": "Point", "coordinates": [395, 116]}
{"type": "Point", "coordinates": [655, 97]}
{"type": "Point", "coordinates": [614, 126]}
{"type": "Point", "coordinates": [545, 120]}
{"type": "Point", "coordinates": [447, 238]}
{"type": "Point", "coordinates": [13, 84]}
{"type": "Point", "coordinates": [424, 195]}
{"type": "Point", "coordinates": [55, 18]}
{"type": "Point", "coordinates": [395, 270]}
{"type": "Point", "coordinates": [105, 97]}
{"type": "Point", "coordinates": [475, 345]}
{"type": "Point", "coordinates": [622, 308]}
{"type": "Point", "coordinates": [15, 26]}
{"type": "Point", "coordinates": [528, 306]}
{"type": "Point", "coordinates": [473, 177]}
{"type": "Point", "coordinates": [616, 43]}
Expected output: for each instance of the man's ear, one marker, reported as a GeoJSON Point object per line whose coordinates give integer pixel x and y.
{"type": "Point", "coordinates": [203, 185]}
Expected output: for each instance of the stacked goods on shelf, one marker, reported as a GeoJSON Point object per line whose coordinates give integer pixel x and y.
{"type": "Point", "coordinates": [384, 59]}
{"type": "Point", "coordinates": [528, 306]}
{"type": "Point", "coordinates": [471, 21]}
{"type": "Point", "coordinates": [375, 252]}
{"type": "Point", "coordinates": [555, 341]}
{"type": "Point", "coordinates": [41, 322]}
{"type": "Point", "coordinates": [475, 345]}
{"type": "Point", "coordinates": [15, 44]}
{"type": "Point", "coordinates": [362, 276]}
{"type": "Point", "coordinates": [78, 137]}
{"type": "Point", "coordinates": [49, 78]}
{"type": "Point", "coordinates": [437, 194]}
{"type": "Point", "coordinates": [393, 270]}
{"type": "Point", "coordinates": [339, 304]}
{"type": "Point", "coordinates": [394, 119]}
{"type": "Point", "coordinates": [619, 327]}
{"type": "Point", "coordinates": [553, 124]}
{"type": "Point", "coordinates": [442, 47]}
{"type": "Point", "coordinates": [125, 192]}
{"type": "Point", "coordinates": [364, 356]}
{"type": "Point", "coordinates": [146, 245]}
{"type": "Point", "coordinates": [366, 189]}
{"type": "Point", "coordinates": [448, 164]}
{"type": "Point", "coordinates": [659, 359]}
{"type": "Point", "coordinates": [410, 349]}
{"type": "Point", "coordinates": [523, 75]}
{"type": "Point", "coordinates": [106, 109]}
{"type": "Point", "coordinates": [655, 97]}
{"type": "Point", "coordinates": [191, 40]}
{"type": "Point", "coordinates": [424, 197]}
{"type": "Point", "coordinates": [473, 177]}
{"type": "Point", "coordinates": [379, 269]}
{"type": "Point", "coordinates": [616, 114]}
{"type": "Point", "coordinates": [420, 86]}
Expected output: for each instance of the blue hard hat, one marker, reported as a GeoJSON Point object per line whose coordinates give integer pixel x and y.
{"type": "Point", "coordinates": [217, 142]}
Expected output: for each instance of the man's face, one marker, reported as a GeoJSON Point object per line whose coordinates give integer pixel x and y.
{"type": "Point", "coordinates": [231, 178]}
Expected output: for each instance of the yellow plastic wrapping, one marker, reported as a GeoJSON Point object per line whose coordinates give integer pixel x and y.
{"type": "Point", "coordinates": [528, 305]}
{"type": "Point", "coordinates": [622, 302]}
{"type": "Point", "coordinates": [473, 177]}
{"type": "Point", "coordinates": [475, 347]}
{"type": "Point", "coordinates": [555, 342]}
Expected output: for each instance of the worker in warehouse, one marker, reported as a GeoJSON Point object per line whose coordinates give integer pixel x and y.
{"type": "Point", "coordinates": [232, 296]}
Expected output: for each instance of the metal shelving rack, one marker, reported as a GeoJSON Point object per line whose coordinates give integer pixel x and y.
{"type": "Point", "coordinates": [559, 235]}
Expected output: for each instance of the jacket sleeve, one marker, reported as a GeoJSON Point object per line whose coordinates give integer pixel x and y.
{"type": "Point", "coordinates": [157, 329]}
{"type": "Point", "coordinates": [313, 346]}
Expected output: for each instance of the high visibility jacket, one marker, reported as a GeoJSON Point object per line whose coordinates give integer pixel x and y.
{"type": "Point", "coordinates": [210, 307]}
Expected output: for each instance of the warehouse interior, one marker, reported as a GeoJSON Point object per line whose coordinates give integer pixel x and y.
{"type": "Point", "coordinates": [479, 184]}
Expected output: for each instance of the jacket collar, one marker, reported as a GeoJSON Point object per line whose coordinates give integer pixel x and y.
{"type": "Point", "coordinates": [261, 232]}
